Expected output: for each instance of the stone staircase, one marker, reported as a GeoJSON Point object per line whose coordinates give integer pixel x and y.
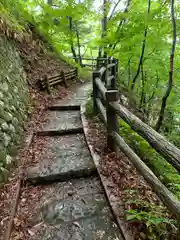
{"type": "Point", "coordinates": [75, 206]}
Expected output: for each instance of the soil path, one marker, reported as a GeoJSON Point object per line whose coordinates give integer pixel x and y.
{"type": "Point", "coordinates": [72, 204]}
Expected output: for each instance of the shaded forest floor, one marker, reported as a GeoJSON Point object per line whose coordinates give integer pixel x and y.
{"type": "Point", "coordinates": [145, 215]}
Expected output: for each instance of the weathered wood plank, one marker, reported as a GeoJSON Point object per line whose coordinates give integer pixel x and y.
{"type": "Point", "coordinates": [110, 65]}
{"type": "Point", "coordinates": [64, 78]}
{"type": "Point", "coordinates": [70, 74]}
{"type": "Point", "coordinates": [95, 75]}
{"type": "Point", "coordinates": [52, 79]}
{"type": "Point", "coordinates": [111, 77]}
{"type": "Point", "coordinates": [70, 77]}
{"type": "Point", "coordinates": [47, 85]}
{"type": "Point", "coordinates": [112, 122]}
{"type": "Point", "coordinates": [71, 71]}
{"type": "Point", "coordinates": [157, 141]}
{"type": "Point", "coordinates": [162, 192]}
{"type": "Point", "coordinates": [102, 70]}
{"type": "Point", "coordinates": [88, 65]}
{"type": "Point", "coordinates": [101, 87]}
{"type": "Point", "coordinates": [101, 110]}
{"type": "Point", "coordinates": [55, 82]}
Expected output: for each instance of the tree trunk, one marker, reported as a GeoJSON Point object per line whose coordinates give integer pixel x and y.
{"type": "Point", "coordinates": [104, 30]}
{"type": "Point", "coordinates": [71, 39]}
{"type": "Point", "coordinates": [153, 93]}
{"type": "Point", "coordinates": [50, 2]}
{"type": "Point", "coordinates": [78, 44]}
{"type": "Point", "coordinates": [142, 88]}
{"type": "Point", "coordinates": [113, 46]}
{"type": "Point", "coordinates": [129, 71]}
{"type": "Point", "coordinates": [142, 50]}
{"type": "Point", "coordinates": [170, 81]}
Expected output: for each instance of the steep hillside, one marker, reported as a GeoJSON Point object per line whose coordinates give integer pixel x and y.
{"type": "Point", "coordinates": [14, 101]}
{"type": "Point", "coordinates": [24, 59]}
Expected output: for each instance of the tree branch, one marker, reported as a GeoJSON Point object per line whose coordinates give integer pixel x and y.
{"type": "Point", "coordinates": [114, 9]}
{"type": "Point", "coordinates": [142, 50]}
{"type": "Point", "coordinates": [171, 70]}
{"type": "Point", "coordinates": [153, 93]}
{"type": "Point", "coordinates": [113, 46]}
{"type": "Point", "coordinates": [78, 43]}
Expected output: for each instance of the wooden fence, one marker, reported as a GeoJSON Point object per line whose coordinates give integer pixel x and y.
{"type": "Point", "coordinates": [48, 81]}
{"type": "Point", "coordinates": [94, 61]}
{"type": "Point", "coordinates": [106, 104]}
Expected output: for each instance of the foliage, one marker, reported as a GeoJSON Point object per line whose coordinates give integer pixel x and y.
{"type": "Point", "coordinates": [162, 169]}
{"type": "Point", "coordinates": [154, 218]}
{"type": "Point", "coordinates": [139, 34]}
{"type": "Point", "coordinates": [8, 22]}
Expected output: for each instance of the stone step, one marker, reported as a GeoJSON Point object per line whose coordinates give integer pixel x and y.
{"type": "Point", "coordinates": [60, 132]}
{"type": "Point", "coordinates": [62, 158]}
{"type": "Point", "coordinates": [74, 210]}
{"type": "Point", "coordinates": [65, 106]}
{"type": "Point", "coordinates": [79, 97]}
{"type": "Point", "coordinates": [61, 120]}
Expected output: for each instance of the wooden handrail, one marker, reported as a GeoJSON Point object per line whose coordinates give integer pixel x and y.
{"type": "Point", "coordinates": [110, 78]}
{"type": "Point", "coordinates": [101, 87]}
{"type": "Point", "coordinates": [157, 141]}
{"type": "Point", "coordinates": [111, 65]}
{"type": "Point", "coordinates": [162, 192]}
{"type": "Point", "coordinates": [102, 70]}
{"type": "Point", "coordinates": [84, 58]}
{"type": "Point", "coordinates": [102, 110]}
{"type": "Point", "coordinates": [88, 65]}
{"type": "Point", "coordinates": [109, 113]}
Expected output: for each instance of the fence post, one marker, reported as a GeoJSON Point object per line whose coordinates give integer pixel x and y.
{"type": "Point", "coordinates": [96, 74]}
{"type": "Point", "coordinates": [76, 72]}
{"type": "Point", "coordinates": [64, 78]}
{"type": "Point", "coordinates": [105, 75]}
{"type": "Point", "coordinates": [113, 73]}
{"type": "Point", "coordinates": [47, 84]}
{"type": "Point", "coordinates": [112, 121]}
{"type": "Point", "coordinates": [117, 67]}
{"type": "Point", "coordinates": [97, 64]}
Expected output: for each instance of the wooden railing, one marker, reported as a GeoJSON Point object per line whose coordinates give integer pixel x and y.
{"type": "Point", "coordinates": [106, 104]}
{"type": "Point", "coordinates": [49, 81]}
{"type": "Point", "coordinates": [94, 61]}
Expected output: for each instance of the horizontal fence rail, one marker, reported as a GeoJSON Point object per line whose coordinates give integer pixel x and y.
{"type": "Point", "coordinates": [106, 105]}
{"type": "Point", "coordinates": [157, 141]}
{"type": "Point", "coordinates": [48, 81]}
